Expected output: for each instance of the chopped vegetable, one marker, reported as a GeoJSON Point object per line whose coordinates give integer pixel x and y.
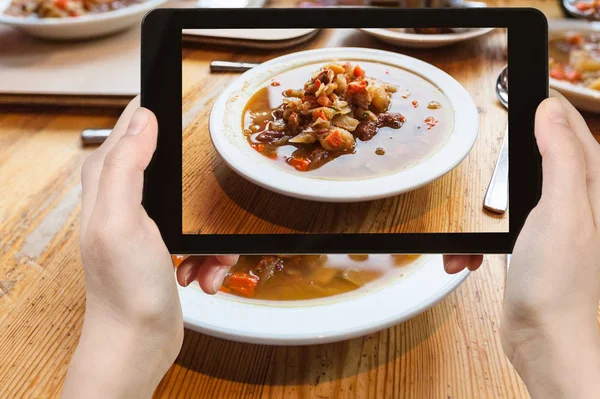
{"type": "Point", "coordinates": [242, 283]}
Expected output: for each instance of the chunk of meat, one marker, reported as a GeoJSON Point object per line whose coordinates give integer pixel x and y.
{"type": "Point", "coordinates": [395, 120]}
{"type": "Point", "coordinates": [269, 136]}
{"type": "Point", "coordinates": [366, 130]}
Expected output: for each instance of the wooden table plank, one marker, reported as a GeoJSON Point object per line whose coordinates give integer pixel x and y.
{"type": "Point", "coordinates": [451, 350]}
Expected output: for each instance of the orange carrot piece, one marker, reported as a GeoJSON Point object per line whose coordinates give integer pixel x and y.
{"type": "Point", "coordinates": [324, 100]}
{"type": "Point", "coordinates": [358, 71]}
{"type": "Point", "coordinates": [558, 72]}
{"type": "Point", "coordinates": [300, 164]}
{"type": "Point", "coordinates": [335, 139]}
{"type": "Point", "coordinates": [242, 283]}
{"type": "Point", "coordinates": [572, 76]}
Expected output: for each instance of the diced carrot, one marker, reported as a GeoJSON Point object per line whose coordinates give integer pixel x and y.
{"type": "Point", "coordinates": [225, 289]}
{"type": "Point", "coordinates": [242, 283]}
{"type": "Point", "coordinates": [358, 71]}
{"type": "Point", "coordinates": [575, 39]}
{"type": "Point", "coordinates": [335, 139]}
{"type": "Point", "coordinates": [324, 100]}
{"type": "Point", "coordinates": [572, 76]}
{"type": "Point", "coordinates": [319, 114]}
{"type": "Point", "coordinates": [300, 164]}
{"type": "Point", "coordinates": [258, 147]}
{"type": "Point", "coordinates": [317, 84]}
{"type": "Point", "coordinates": [60, 3]}
{"type": "Point", "coordinates": [557, 72]}
{"type": "Point", "coordinates": [177, 259]}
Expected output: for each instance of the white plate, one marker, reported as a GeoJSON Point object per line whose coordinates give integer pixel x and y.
{"type": "Point", "coordinates": [416, 40]}
{"type": "Point", "coordinates": [230, 142]}
{"type": "Point", "coordinates": [83, 27]}
{"type": "Point", "coordinates": [581, 97]}
{"type": "Point", "coordinates": [374, 307]}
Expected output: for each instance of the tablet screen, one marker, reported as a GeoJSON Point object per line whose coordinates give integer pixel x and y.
{"type": "Point", "coordinates": [326, 131]}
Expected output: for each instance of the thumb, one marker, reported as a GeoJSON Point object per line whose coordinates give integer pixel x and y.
{"type": "Point", "coordinates": [563, 163]}
{"type": "Point", "coordinates": [122, 177]}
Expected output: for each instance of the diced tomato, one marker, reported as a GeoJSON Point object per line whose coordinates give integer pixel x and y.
{"type": "Point", "coordinates": [358, 71]}
{"type": "Point", "coordinates": [415, 104]}
{"type": "Point", "coordinates": [319, 114]}
{"type": "Point", "coordinates": [300, 164]}
{"type": "Point", "coordinates": [335, 139]}
{"type": "Point", "coordinates": [258, 147]}
{"type": "Point", "coordinates": [357, 87]}
{"type": "Point", "coordinates": [242, 283]}
{"type": "Point", "coordinates": [558, 72]}
{"type": "Point", "coordinates": [584, 6]}
{"type": "Point", "coordinates": [317, 84]}
{"type": "Point", "coordinates": [431, 122]}
{"type": "Point", "coordinates": [324, 100]}
{"type": "Point", "coordinates": [575, 39]}
{"type": "Point", "coordinates": [572, 76]}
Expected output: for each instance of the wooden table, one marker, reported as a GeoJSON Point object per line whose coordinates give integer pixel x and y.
{"type": "Point", "coordinates": [450, 351]}
{"type": "Point", "coordinates": [216, 200]}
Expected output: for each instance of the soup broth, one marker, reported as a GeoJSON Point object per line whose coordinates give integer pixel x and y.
{"type": "Point", "coordinates": [428, 123]}
{"type": "Point", "coordinates": [308, 276]}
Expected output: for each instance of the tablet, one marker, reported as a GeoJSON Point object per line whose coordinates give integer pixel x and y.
{"type": "Point", "coordinates": [380, 133]}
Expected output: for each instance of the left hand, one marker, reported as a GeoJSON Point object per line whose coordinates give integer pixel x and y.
{"type": "Point", "coordinates": [133, 327]}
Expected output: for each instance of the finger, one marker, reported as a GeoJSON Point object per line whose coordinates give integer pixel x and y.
{"type": "Point", "coordinates": [228, 260]}
{"type": "Point", "coordinates": [188, 270]}
{"type": "Point", "coordinates": [591, 151]}
{"type": "Point", "coordinates": [563, 163]}
{"type": "Point", "coordinates": [122, 177]}
{"type": "Point", "coordinates": [90, 172]}
{"type": "Point", "coordinates": [211, 275]}
{"type": "Point", "coordinates": [456, 263]}
{"type": "Point", "coordinates": [474, 262]}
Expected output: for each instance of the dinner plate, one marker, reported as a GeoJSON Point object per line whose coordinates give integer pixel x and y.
{"type": "Point", "coordinates": [230, 142]}
{"type": "Point", "coordinates": [416, 40]}
{"type": "Point", "coordinates": [83, 27]}
{"type": "Point", "coordinates": [581, 97]}
{"type": "Point", "coordinates": [371, 308]}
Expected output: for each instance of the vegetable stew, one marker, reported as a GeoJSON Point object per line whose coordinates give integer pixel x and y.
{"type": "Point", "coordinates": [575, 58]}
{"type": "Point", "coordinates": [348, 120]}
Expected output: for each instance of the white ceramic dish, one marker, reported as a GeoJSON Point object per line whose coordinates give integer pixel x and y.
{"type": "Point", "coordinates": [581, 97]}
{"type": "Point", "coordinates": [374, 307]}
{"type": "Point", "coordinates": [415, 40]}
{"type": "Point", "coordinates": [83, 27]}
{"type": "Point", "coordinates": [227, 136]}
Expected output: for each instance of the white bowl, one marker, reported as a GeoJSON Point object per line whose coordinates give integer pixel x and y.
{"type": "Point", "coordinates": [230, 142]}
{"type": "Point", "coordinates": [371, 308]}
{"type": "Point", "coordinates": [416, 40]}
{"type": "Point", "coordinates": [83, 27]}
{"type": "Point", "coordinates": [581, 97]}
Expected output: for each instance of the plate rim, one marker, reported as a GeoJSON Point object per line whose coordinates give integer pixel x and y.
{"type": "Point", "coordinates": [267, 338]}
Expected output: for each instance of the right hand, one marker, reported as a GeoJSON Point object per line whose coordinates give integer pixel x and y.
{"type": "Point", "coordinates": [549, 327]}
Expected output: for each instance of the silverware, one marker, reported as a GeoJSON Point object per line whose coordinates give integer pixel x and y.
{"type": "Point", "coordinates": [229, 66]}
{"type": "Point", "coordinates": [496, 197]}
{"type": "Point", "coordinates": [94, 136]}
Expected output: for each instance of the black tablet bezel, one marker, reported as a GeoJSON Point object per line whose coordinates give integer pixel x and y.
{"type": "Point", "coordinates": [161, 93]}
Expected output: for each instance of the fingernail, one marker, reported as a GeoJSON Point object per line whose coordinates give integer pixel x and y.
{"type": "Point", "coordinates": [138, 122]}
{"type": "Point", "coordinates": [556, 111]}
{"type": "Point", "coordinates": [446, 262]}
{"type": "Point", "coordinates": [218, 278]}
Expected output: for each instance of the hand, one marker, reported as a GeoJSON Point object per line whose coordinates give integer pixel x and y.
{"type": "Point", "coordinates": [549, 327]}
{"type": "Point", "coordinates": [456, 263]}
{"type": "Point", "coordinates": [133, 328]}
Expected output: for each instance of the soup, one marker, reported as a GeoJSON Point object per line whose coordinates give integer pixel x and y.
{"type": "Point", "coordinates": [377, 119]}
{"type": "Point", "coordinates": [575, 58]}
{"type": "Point", "coordinates": [301, 277]}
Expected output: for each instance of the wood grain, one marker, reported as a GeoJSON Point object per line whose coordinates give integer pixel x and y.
{"type": "Point", "coordinates": [218, 201]}
{"type": "Point", "coordinates": [450, 351]}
